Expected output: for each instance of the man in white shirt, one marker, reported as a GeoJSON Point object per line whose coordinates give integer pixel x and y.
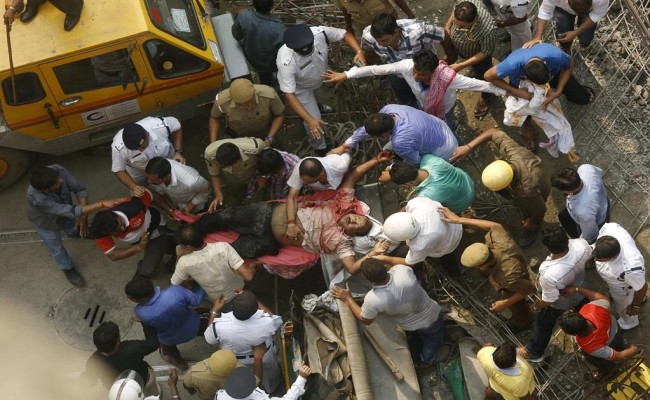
{"type": "Point", "coordinates": [319, 173]}
{"type": "Point", "coordinates": [398, 294]}
{"type": "Point", "coordinates": [422, 226]}
{"type": "Point", "coordinates": [245, 327]}
{"type": "Point", "coordinates": [301, 63]}
{"type": "Point", "coordinates": [179, 186]}
{"type": "Point", "coordinates": [513, 15]}
{"type": "Point", "coordinates": [138, 143]}
{"type": "Point", "coordinates": [588, 13]}
{"type": "Point", "coordinates": [621, 265]}
{"type": "Point", "coordinates": [418, 72]}
{"type": "Point", "coordinates": [587, 205]}
{"type": "Point", "coordinates": [565, 266]}
{"type": "Point", "coordinates": [216, 267]}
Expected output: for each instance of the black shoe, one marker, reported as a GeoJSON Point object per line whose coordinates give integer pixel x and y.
{"type": "Point", "coordinates": [325, 108]}
{"type": "Point", "coordinates": [74, 276]}
{"type": "Point", "coordinates": [70, 21]}
{"type": "Point", "coordinates": [322, 152]}
{"type": "Point", "coordinates": [527, 238]}
{"type": "Point", "coordinates": [29, 13]}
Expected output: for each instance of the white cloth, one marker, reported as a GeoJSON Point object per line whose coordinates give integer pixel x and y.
{"type": "Point", "coordinates": [135, 161]}
{"type": "Point", "coordinates": [551, 118]}
{"type": "Point", "coordinates": [598, 9]}
{"type": "Point", "coordinates": [588, 207]}
{"type": "Point", "coordinates": [296, 73]}
{"type": "Point", "coordinates": [240, 336]}
{"type": "Point", "coordinates": [404, 69]}
{"type": "Point", "coordinates": [336, 166]}
{"type": "Point", "coordinates": [568, 270]}
{"type": "Point", "coordinates": [186, 185]}
{"type": "Point", "coordinates": [520, 33]}
{"type": "Point", "coordinates": [295, 391]}
{"type": "Point", "coordinates": [214, 268]}
{"type": "Point", "coordinates": [435, 237]}
{"type": "Point", "coordinates": [624, 274]}
{"type": "Point", "coordinates": [364, 244]}
{"type": "Point", "coordinates": [403, 299]}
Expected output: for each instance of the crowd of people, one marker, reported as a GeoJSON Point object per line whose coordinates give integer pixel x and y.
{"type": "Point", "coordinates": [277, 201]}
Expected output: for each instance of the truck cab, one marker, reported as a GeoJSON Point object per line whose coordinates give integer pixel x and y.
{"type": "Point", "coordinates": [124, 60]}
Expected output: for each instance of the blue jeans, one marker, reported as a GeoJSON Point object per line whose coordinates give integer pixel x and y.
{"type": "Point", "coordinates": [450, 120]}
{"type": "Point", "coordinates": [431, 338]}
{"type": "Point", "coordinates": [565, 22]}
{"type": "Point", "coordinates": [54, 244]}
{"type": "Point", "coordinates": [544, 324]}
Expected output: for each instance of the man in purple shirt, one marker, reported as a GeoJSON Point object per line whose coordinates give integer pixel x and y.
{"type": "Point", "coordinates": [412, 132]}
{"type": "Point", "coordinates": [170, 312]}
{"type": "Point", "coordinates": [273, 169]}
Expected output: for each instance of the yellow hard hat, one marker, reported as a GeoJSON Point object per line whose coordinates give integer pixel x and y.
{"type": "Point", "coordinates": [497, 175]}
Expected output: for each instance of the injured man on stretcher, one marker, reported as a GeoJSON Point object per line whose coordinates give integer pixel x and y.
{"type": "Point", "coordinates": [329, 222]}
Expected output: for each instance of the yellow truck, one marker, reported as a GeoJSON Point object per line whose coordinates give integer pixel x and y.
{"type": "Point", "coordinates": [124, 60]}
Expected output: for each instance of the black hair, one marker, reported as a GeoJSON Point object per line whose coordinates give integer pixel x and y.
{"type": "Point", "coordinates": [572, 323]}
{"type": "Point", "coordinates": [244, 305]}
{"type": "Point", "coordinates": [383, 24]}
{"type": "Point", "coordinates": [537, 72]}
{"type": "Point", "coordinates": [227, 154]}
{"type": "Point", "coordinates": [566, 179]}
{"type": "Point", "coordinates": [465, 11]}
{"type": "Point", "coordinates": [139, 288]}
{"type": "Point", "coordinates": [402, 172]}
{"type": "Point", "coordinates": [104, 223]}
{"type": "Point", "coordinates": [43, 178]}
{"type": "Point", "coordinates": [606, 247]}
{"type": "Point", "coordinates": [263, 6]}
{"type": "Point", "coordinates": [190, 235]}
{"type": "Point", "coordinates": [555, 239]}
{"type": "Point", "coordinates": [310, 167]}
{"type": "Point", "coordinates": [378, 124]}
{"type": "Point", "coordinates": [158, 166]}
{"type": "Point", "coordinates": [581, 7]}
{"type": "Point", "coordinates": [269, 161]}
{"type": "Point", "coordinates": [505, 356]}
{"type": "Point", "coordinates": [106, 336]}
{"type": "Point", "coordinates": [374, 270]}
{"type": "Point", "coordinates": [425, 60]}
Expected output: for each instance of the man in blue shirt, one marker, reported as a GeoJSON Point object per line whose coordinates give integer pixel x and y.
{"type": "Point", "coordinates": [412, 132]}
{"type": "Point", "coordinates": [50, 210]}
{"type": "Point", "coordinates": [542, 63]}
{"type": "Point", "coordinates": [171, 313]}
{"type": "Point", "coordinates": [261, 36]}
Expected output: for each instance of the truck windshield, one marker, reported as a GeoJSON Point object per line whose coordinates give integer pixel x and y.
{"type": "Point", "coordinates": [178, 18]}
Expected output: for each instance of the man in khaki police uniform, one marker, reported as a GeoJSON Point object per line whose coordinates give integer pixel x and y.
{"type": "Point", "coordinates": [250, 110]}
{"type": "Point", "coordinates": [209, 375]}
{"type": "Point", "coordinates": [359, 13]}
{"type": "Point", "coordinates": [517, 175]}
{"type": "Point", "coordinates": [237, 158]}
{"type": "Point", "coordinates": [504, 263]}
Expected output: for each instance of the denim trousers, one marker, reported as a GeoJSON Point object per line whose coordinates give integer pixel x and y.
{"type": "Point", "coordinates": [54, 243]}
{"type": "Point", "coordinates": [566, 22]}
{"type": "Point", "coordinates": [431, 338]}
{"type": "Point", "coordinates": [403, 91]}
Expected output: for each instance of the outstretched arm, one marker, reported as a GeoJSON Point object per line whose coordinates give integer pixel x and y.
{"type": "Point", "coordinates": [357, 173]}
{"type": "Point", "coordinates": [462, 151]}
{"type": "Point", "coordinates": [450, 217]}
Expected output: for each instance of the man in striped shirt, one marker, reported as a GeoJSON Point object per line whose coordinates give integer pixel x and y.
{"type": "Point", "coordinates": [473, 34]}
{"type": "Point", "coordinates": [274, 167]}
{"type": "Point", "coordinates": [393, 40]}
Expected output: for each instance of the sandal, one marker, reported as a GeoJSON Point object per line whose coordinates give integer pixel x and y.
{"type": "Point", "coordinates": [592, 94]}
{"type": "Point", "coordinates": [480, 112]}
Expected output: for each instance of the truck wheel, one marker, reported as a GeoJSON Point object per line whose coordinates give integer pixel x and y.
{"type": "Point", "coordinates": [13, 164]}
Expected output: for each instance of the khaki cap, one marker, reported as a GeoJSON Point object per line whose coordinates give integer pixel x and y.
{"type": "Point", "coordinates": [242, 91]}
{"type": "Point", "coordinates": [222, 363]}
{"type": "Point", "coordinates": [475, 255]}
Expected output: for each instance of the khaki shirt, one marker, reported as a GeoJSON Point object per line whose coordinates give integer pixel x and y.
{"type": "Point", "coordinates": [242, 170]}
{"type": "Point", "coordinates": [364, 11]}
{"type": "Point", "coordinates": [510, 270]}
{"type": "Point", "coordinates": [529, 187]}
{"type": "Point", "coordinates": [245, 123]}
{"type": "Point", "coordinates": [205, 382]}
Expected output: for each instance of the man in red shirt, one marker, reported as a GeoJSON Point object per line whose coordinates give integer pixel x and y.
{"type": "Point", "coordinates": [596, 331]}
{"type": "Point", "coordinates": [133, 227]}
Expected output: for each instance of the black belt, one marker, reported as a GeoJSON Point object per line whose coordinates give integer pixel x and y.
{"type": "Point", "coordinates": [244, 357]}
